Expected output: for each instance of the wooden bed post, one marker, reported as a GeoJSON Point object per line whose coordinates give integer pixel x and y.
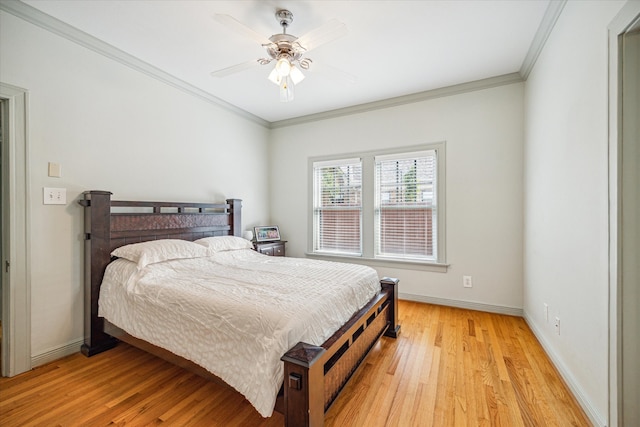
{"type": "Point", "coordinates": [97, 255]}
{"type": "Point", "coordinates": [235, 208]}
{"type": "Point", "coordinates": [303, 386]}
{"type": "Point", "coordinates": [391, 284]}
{"type": "Point", "coordinates": [314, 376]}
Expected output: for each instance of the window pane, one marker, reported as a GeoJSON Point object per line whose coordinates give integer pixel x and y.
{"type": "Point", "coordinates": [338, 207]}
{"type": "Point", "coordinates": [406, 206]}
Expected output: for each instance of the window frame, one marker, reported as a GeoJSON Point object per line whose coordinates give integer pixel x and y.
{"type": "Point", "coordinates": [380, 207]}
{"type": "Point", "coordinates": [368, 210]}
{"type": "Point", "coordinates": [317, 201]}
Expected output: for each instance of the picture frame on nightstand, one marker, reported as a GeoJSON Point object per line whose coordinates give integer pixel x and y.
{"type": "Point", "coordinates": [267, 233]}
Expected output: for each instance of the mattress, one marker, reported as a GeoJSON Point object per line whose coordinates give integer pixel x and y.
{"type": "Point", "coordinates": [236, 313]}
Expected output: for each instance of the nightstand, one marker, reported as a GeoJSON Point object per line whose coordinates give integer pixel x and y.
{"type": "Point", "coordinates": [270, 248]}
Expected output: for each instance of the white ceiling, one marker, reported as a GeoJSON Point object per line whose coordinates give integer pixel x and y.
{"type": "Point", "coordinates": [393, 48]}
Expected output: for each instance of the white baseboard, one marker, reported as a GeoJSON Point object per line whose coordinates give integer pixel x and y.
{"type": "Point", "coordinates": [594, 416]}
{"type": "Point", "coordinates": [56, 353]}
{"type": "Point", "coordinates": [469, 305]}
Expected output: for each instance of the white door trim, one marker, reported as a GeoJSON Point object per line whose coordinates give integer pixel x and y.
{"type": "Point", "coordinates": [623, 21]}
{"type": "Point", "coordinates": [16, 310]}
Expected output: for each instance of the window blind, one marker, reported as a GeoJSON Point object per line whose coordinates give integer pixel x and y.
{"type": "Point", "coordinates": [337, 210]}
{"type": "Point", "coordinates": [405, 206]}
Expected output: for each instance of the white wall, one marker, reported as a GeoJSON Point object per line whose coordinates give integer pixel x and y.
{"type": "Point", "coordinates": [566, 199]}
{"type": "Point", "coordinates": [483, 131]}
{"type": "Point", "coordinates": [113, 128]}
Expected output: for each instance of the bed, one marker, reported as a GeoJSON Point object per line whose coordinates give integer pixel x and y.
{"type": "Point", "coordinates": [312, 375]}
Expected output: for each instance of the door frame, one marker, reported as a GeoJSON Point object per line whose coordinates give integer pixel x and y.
{"type": "Point", "coordinates": [627, 19]}
{"type": "Point", "coordinates": [16, 285]}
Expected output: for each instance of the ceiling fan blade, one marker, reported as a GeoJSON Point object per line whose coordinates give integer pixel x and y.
{"type": "Point", "coordinates": [324, 34]}
{"type": "Point", "coordinates": [240, 28]}
{"type": "Point", "coordinates": [235, 68]}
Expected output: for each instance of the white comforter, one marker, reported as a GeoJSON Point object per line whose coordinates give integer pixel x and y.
{"type": "Point", "coordinates": [237, 312]}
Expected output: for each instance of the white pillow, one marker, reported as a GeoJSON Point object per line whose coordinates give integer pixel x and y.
{"type": "Point", "coordinates": [225, 243]}
{"type": "Point", "coordinates": [153, 251]}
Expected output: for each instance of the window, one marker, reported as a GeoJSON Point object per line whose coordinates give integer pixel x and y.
{"type": "Point", "coordinates": [337, 207]}
{"type": "Point", "coordinates": [386, 206]}
{"type": "Point", "coordinates": [405, 206]}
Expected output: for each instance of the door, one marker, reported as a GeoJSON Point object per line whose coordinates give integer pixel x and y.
{"type": "Point", "coordinates": [16, 307]}
{"type": "Point", "coordinates": [4, 235]}
{"type": "Point", "coordinates": [629, 235]}
{"type": "Point", "coordinates": [3, 206]}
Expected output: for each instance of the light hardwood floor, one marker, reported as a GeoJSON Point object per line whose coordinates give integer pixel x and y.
{"type": "Point", "coordinates": [449, 367]}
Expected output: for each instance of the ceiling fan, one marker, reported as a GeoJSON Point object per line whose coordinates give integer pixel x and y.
{"type": "Point", "coordinates": [288, 51]}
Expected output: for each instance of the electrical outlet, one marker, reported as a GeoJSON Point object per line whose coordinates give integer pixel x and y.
{"type": "Point", "coordinates": [54, 196]}
{"type": "Point", "coordinates": [546, 312]}
{"type": "Point", "coordinates": [557, 324]}
{"type": "Point", "coordinates": [467, 282]}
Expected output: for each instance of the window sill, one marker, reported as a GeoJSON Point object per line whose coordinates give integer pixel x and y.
{"type": "Point", "coordinates": [377, 262]}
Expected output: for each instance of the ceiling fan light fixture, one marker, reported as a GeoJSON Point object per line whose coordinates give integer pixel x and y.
{"type": "Point", "coordinates": [274, 77]}
{"type": "Point", "coordinates": [283, 66]}
{"type": "Point", "coordinates": [286, 89]}
{"type": "Point", "coordinates": [296, 75]}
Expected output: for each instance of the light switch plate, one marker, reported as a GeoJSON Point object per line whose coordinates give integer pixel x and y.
{"type": "Point", "coordinates": [54, 196]}
{"type": "Point", "coordinates": [55, 170]}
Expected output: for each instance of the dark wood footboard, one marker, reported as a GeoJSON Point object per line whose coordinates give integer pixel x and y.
{"type": "Point", "coordinates": [314, 376]}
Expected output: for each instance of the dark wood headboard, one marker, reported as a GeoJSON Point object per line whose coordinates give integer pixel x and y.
{"type": "Point", "coordinates": [109, 224]}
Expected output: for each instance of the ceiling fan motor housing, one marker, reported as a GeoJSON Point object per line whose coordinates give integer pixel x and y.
{"type": "Point", "coordinates": [283, 46]}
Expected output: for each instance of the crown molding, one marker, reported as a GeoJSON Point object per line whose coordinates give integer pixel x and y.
{"type": "Point", "coordinates": [49, 23]}
{"type": "Point", "coordinates": [549, 19]}
{"type": "Point", "coordinates": [406, 99]}
{"type": "Point", "coordinates": [551, 15]}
